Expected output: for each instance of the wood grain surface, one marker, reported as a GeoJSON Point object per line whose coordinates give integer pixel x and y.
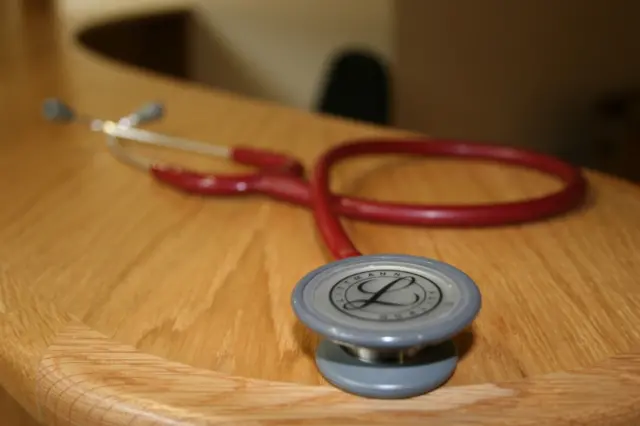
{"type": "Point", "coordinates": [123, 302]}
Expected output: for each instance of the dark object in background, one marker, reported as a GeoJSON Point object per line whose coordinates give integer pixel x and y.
{"type": "Point", "coordinates": [615, 136]}
{"type": "Point", "coordinates": [156, 42]}
{"type": "Point", "coordinates": [357, 87]}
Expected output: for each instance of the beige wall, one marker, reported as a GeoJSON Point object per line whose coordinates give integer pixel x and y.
{"type": "Point", "coordinates": [276, 49]}
{"type": "Point", "coordinates": [512, 71]}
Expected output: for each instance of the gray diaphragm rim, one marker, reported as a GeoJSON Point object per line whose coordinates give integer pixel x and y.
{"type": "Point", "coordinates": [436, 332]}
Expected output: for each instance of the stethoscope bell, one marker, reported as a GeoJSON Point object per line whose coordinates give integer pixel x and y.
{"type": "Point", "coordinates": [387, 322]}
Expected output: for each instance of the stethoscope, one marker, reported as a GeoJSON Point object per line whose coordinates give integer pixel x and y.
{"type": "Point", "coordinates": [387, 320]}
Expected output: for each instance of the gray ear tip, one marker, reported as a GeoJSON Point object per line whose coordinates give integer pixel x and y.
{"type": "Point", "coordinates": [157, 106]}
{"type": "Point", "coordinates": [54, 109]}
{"type": "Point", "coordinates": [151, 111]}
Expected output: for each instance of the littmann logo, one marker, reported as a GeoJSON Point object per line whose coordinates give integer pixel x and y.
{"type": "Point", "coordinates": [385, 295]}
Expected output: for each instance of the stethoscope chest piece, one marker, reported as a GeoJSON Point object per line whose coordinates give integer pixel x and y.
{"type": "Point", "coordinates": [387, 322]}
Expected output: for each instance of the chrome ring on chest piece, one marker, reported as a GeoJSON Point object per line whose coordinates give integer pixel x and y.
{"type": "Point", "coordinates": [387, 322]}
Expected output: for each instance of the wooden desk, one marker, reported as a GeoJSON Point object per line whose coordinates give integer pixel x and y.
{"type": "Point", "coordinates": [124, 302]}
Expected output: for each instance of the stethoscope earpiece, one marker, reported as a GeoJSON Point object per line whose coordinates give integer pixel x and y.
{"type": "Point", "coordinates": [387, 322]}
{"type": "Point", "coordinates": [148, 112]}
{"type": "Point", "coordinates": [55, 110]}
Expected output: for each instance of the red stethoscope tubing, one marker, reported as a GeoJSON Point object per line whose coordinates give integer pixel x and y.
{"type": "Point", "coordinates": [280, 177]}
